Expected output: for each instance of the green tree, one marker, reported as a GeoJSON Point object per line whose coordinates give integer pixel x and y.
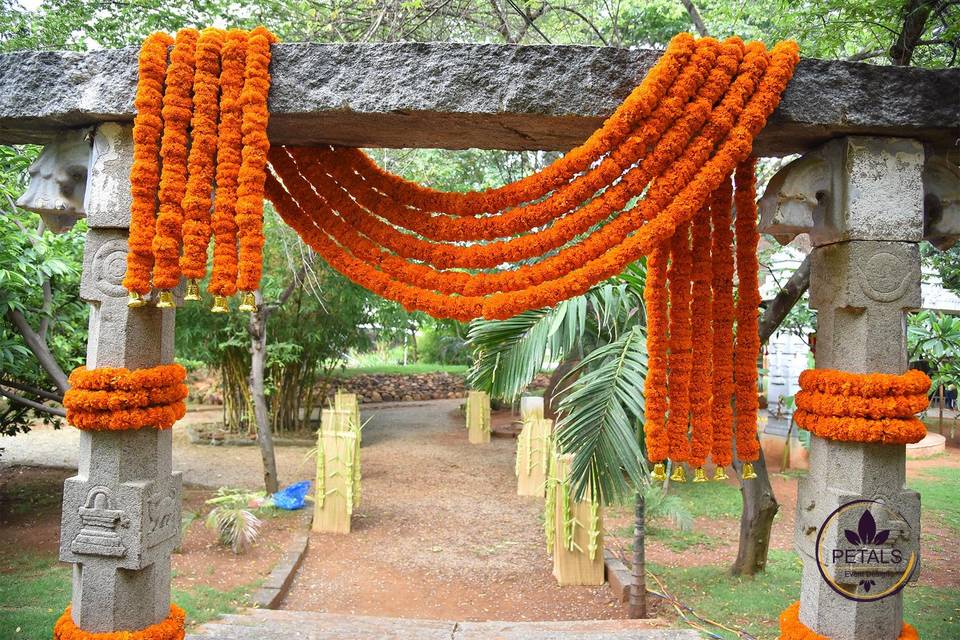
{"type": "Point", "coordinates": [934, 340]}
{"type": "Point", "coordinates": [42, 319]}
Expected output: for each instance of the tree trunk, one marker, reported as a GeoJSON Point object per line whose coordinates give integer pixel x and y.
{"type": "Point", "coordinates": [38, 345]}
{"type": "Point", "coordinates": [552, 394]}
{"type": "Point", "coordinates": [759, 508]}
{"type": "Point", "coordinates": [759, 503]}
{"type": "Point", "coordinates": [413, 345]}
{"type": "Point", "coordinates": [638, 586]}
{"type": "Point", "coordinates": [940, 419]}
{"type": "Point", "coordinates": [258, 356]}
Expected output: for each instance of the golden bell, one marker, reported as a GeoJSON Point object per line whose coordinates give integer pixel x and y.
{"type": "Point", "coordinates": [166, 300]}
{"type": "Point", "coordinates": [135, 301]}
{"type": "Point", "coordinates": [748, 472]}
{"type": "Point", "coordinates": [720, 474]}
{"type": "Point", "coordinates": [699, 475]}
{"type": "Point", "coordinates": [220, 305]}
{"type": "Point", "coordinates": [193, 291]}
{"type": "Point", "coordinates": [248, 302]}
{"type": "Point", "coordinates": [659, 472]}
{"type": "Point", "coordinates": [678, 475]}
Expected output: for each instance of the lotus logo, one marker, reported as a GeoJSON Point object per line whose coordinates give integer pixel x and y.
{"type": "Point", "coordinates": [872, 565]}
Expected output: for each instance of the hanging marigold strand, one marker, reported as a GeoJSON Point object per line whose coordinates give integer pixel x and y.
{"type": "Point", "coordinates": [233, 56]}
{"type": "Point", "coordinates": [256, 145]}
{"type": "Point", "coordinates": [145, 173]}
{"type": "Point", "coordinates": [722, 271]}
{"type": "Point", "coordinates": [655, 385]}
{"type": "Point", "coordinates": [701, 374]}
{"type": "Point", "coordinates": [203, 149]}
{"type": "Point", "coordinates": [681, 345]}
{"type": "Point", "coordinates": [177, 111]}
{"type": "Point", "coordinates": [615, 129]}
{"type": "Point", "coordinates": [747, 347]}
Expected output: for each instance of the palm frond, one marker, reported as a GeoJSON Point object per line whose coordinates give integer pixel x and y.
{"type": "Point", "coordinates": [600, 415]}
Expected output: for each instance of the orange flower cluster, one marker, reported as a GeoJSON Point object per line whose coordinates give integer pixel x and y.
{"type": "Point", "coordinates": [854, 407]}
{"type": "Point", "coordinates": [211, 107]}
{"type": "Point", "coordinates": [253, 163]}
{"type": "Point", "coordinates": [748, 309]}
{"type": "Point", "coordinates": [680, 358]}
{"type": "Point", "coordinates": [721, 257]}
{"type": "Point", "coordinates": [792, 629]}
{"type": "Point", "coordinates": [233, 57]}
{"type": "Point", "coordinates": [177, 111]}
{"type": "Point", "coordinates": [701, 320]}
{"type": "Point", "coordinates": [118, 399]}
{"type": "Point", "coordinates": [203, 150]}
{"type": "Point", "coordinates": [170, 628]}
{"type": "Point", "coordinates": [145, 172]}
{"type": "Point", "coordinates": [655, 386]}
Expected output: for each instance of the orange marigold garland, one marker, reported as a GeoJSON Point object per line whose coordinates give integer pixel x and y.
{"type": "Point", "coordinates": [118, 399]}
{"type": "Point", "coordinates": [863, 407]}
{"type": "Point", "coordinates": [791, 628]}
{"type": "Point", "coordinates": [170, 628]}
{"type": "Point", "coordinates": [748, 302]}
{"type": "Point", "coordinates": [145, 172]}
{"type": "Point", "coordinates": [723, 316]}
{"type": "Point", "coordinates": [223, 275]}
{"type": "Point", "coordinates": [655, 384]}
{"type": "Point", "coordinates": [680, 358]}
{"type": "Point", "coordinates": [203, 149]}
{"type": "Point", "coordinates": [701, 375]}
{"type": "Point", "coordinates": [256, 145]}
{"type": "Point", "coordinates": [177, 112]}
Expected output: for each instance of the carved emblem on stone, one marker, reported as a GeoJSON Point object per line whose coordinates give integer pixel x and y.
{"type": "Point", "coordinates": [109, 267]}
{"type": "Point", "coordinates": [99, 522]}
{"type": "Point", "coordinates": [58, 181]}
{"type": "Point", "coordinates": [162, 522]}
{"type": "Point", "coordinates": [884, 276]}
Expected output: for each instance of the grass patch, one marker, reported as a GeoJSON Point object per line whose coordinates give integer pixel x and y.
{"type": "Point", "coordinates": [680, 541]}
{"type": "Point", "coordinates": [751, 604]}
{"type": "Point", "coordinates": [399, 369]}
{"type": "Point", "coordinates": [754, 604]}
{"type": "Point", "coordinates": [709, 499]}
{"type": "Point", "coordinates": [34, 591]}
{"type": "Point", "coordinates": [938, 495]}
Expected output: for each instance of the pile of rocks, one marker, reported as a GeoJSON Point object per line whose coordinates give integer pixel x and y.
{"type": "Point", "coordinates": [401, 387]}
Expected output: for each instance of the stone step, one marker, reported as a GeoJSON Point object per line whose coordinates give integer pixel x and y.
{"type": "Point", "coordinates": [259, 624]}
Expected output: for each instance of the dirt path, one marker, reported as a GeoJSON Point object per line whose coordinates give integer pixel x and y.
{"type": "Point", "coordinates": [441, 533]}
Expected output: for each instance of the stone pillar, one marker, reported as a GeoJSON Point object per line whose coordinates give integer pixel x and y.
{"type": "Point", "coordinates": [121, 512]}
{"type": "Point", "coordinates": [861, 200]}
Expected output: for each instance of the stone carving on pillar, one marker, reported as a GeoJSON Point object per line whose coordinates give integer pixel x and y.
{"type": "Point", "coordinates": [99, 521]}
{"type": "Point", "coordinates": [121, 512]}
{"type": "Point", "coordinates": [941, 202]}
{"type": "Point", "coordinates": [861, 200]}
{"type": "Point", "coordinates": [58, 181]}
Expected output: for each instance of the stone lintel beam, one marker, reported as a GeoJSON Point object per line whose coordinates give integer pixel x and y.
{"type": "Point", "coordinates": [475, 95]}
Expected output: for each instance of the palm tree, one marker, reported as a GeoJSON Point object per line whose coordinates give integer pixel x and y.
{"type": "Point", "coordinates": [934, 338]}
{"type": "Point", "coordinates": [601, 404]}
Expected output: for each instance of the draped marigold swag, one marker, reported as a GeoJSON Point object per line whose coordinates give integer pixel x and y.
{"type": "Point", "coordinates": [654, 180]}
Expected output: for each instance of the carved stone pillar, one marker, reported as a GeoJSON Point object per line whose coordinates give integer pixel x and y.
{"type": "Point", "coordinates": [861, 201]}
{"type": "Point", "coordinates": [121, 512]}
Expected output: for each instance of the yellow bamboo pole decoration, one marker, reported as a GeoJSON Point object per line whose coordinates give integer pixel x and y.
{"type": "Point", "coordinates": [533, 449]}
{"type": "Point", "coordinates": [348, 402]}
{"type": "Point", "coordinates": [478, 417]}
{"type": "Point", "coordinates": [338, 472]}
{"type": "Point", "coordinates": [531, 407]}
{"type": "Point", "coordinates": [578, 532]}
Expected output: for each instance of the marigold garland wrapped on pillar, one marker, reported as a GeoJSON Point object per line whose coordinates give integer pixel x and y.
{"type": "Point", "coordinates": [171, 628]}
{"type": "Point", "coordinates": [853, 407]}
{"type": "Point", "coordinates": [115, 399]}
{"type": "Point", "coordinates": [792, 629]}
